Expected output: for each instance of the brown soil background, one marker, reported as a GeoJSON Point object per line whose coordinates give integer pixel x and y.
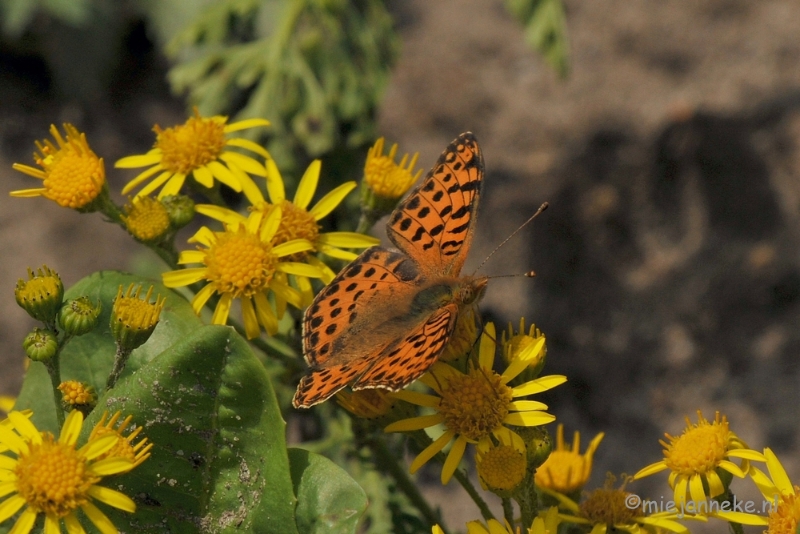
{"type": "Point", "coordinates": [667, 264]}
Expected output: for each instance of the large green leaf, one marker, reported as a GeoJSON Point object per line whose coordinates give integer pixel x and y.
{"type": "Point", "coordinates": [89, 358]}
{"type": "Point", "coordinates": [219, 461]}
{"type": "Point", "coordinates": [328, 499]}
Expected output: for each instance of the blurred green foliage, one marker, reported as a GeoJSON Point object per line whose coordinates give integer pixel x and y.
{"type": "Point", "coordinates": [545, 29]}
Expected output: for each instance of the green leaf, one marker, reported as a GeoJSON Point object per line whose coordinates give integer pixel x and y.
{"type": "Point", "coordinates": [219, 460]}
{"type": "Point", "coordinates": [89, 358]}
{"type": "Point", "coordinates": [328, 499]}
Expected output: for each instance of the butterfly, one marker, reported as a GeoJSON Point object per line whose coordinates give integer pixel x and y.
{"type": "Point", "coordinates": [387, 316]}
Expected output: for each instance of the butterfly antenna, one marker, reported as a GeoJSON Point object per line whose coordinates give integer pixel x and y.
{"type": "Point", "coordinates": [515, 232]}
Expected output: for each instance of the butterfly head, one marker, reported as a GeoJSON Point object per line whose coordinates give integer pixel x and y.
{"type": "Point", "coordinates": [473, 290]}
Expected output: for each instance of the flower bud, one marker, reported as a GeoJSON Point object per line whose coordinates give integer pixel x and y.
{"type": "Point", "coordinates": [79, 316]}
{"type": "Point", "coordinates": [180, 210]}
{"type": "Point", "coordinates": [41, 295]}
{"type": "Point", "coordinates": [40, 345]}
{"type": "Point", "coordinates": [133, 319]}
{"type": "Point", "coordinates": [146, 219]}
{"type": "Point", "coordinates": [77, 396]}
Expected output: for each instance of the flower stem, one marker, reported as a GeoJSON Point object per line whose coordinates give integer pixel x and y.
{"type": "Point", "coordinates": [727, 497]}
{"type": "Point", "coordinates": [508, 511]}
{"type": "Point", "coordinates": [388, 461]}
{"type": "Point", "coordinates": [54, 370]}
{"type": "Point", "coordinates": [120, 359]}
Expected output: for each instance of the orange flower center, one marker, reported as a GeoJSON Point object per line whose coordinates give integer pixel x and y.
{"type": "Point", "coordinates": [699, 449]}
{"type": "Point", "coordinates": [74, 392]}
{"type": "Point", "coordinates": [240, 264]}
{"type": "Point", "coordinates": [53, 478]}
{"type": "Point", "coordinates": [502, 467]}
{"type": "Point", "coordinates": [475, 404]}
{"type": "Point", "coordinates": [191, 145]}
{"type": "Point", "coordinates": [74, 174]}
{"type": "Point", "coordinates": [608, 506]}
{"type": "Point", "coordinates": [785, 518]}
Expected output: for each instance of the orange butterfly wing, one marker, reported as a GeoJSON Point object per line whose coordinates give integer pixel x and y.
{"type": "Point", "coordinates": [434, 225]}
{"type": "Point", "coordinates": [364, 328]}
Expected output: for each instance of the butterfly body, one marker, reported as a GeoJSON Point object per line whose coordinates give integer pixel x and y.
{"type": "Point", "coordinates": [386, 317]}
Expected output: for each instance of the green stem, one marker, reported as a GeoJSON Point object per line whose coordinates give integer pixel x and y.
{"type": "Point", "coordinates": [508, 511]}
{"type": "Point", "coordinates": [120, 359]}
{"type": "Point", "coordinates": [54, 370]}
{"type": "Point", "coordinates": [728, 497]}
{"type": "Point", "coordinates": [385, 459]}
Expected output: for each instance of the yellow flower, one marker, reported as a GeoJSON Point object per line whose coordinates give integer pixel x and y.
{"type": "Point", "coordinates": [73, 176]}
{"type": "Point", "coordinates": [54, 478]}
{"type": "Point", "coordinates": [609, 509]}
{"type": "Point", "coordinates": [546, 523]}
{"type": "Point", "coordinates": [514, 343]}
{"type": "Point", "coordinates": [299, 222]}
{"type": "Point", "coordinates": [476, 406]}
{"type": "Point", "coordinates": [125, 447]}
{"type": "Point", "coordinates": [241, 263]}
{"type": "Point", "coordinates": [366, 403]}
{"type": "Point", "coordinates": [197, 148]}
{"type": "Point", "coordinates": [694, 457]}
{"type": "Point", "coordinates": [146, 219]}
{"type": "Point", "coordinates": [134, 319]}
{"type": "Point", "coordinates": [386, 178]}
{"type": "Point", "coordinates": [501, 467]}
{"type": "Point", "coordinates": [566, 470]}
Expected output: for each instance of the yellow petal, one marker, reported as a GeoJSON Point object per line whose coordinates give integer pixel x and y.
{"type": "Point", "coordinates": [250, 320]}
{"type": "Point", "coordinates": [172, 187]}
{"type": "Point", "coordinates": [275, 188]}
{"type": "Point", "coordinates": [142, 176]}
{"type": "Point", "coordinates": [696, 489]}
{"type": "Point", "coordinates": [329, 202]}
{"type": "Point", "coordinates": [140, 160]}
{"type": "Point", "coordinates": [110, 466]}
{"type": "Point", "coordinates": [27, 193]}
{"type": "Point", "coordinates": [292, 247]}
{"type": "Point", "coordinates": [223, 309]}
{"type": "Point", "coordinates": [348, 240]}
{"type": "Point", "coordinates": [8, 487]}
{"type": "Point", "coordinates": [25, 522]}
{"type": "Point", "coordinates": [265, 314]}
{"type": "Point", "coordinates": [271, 224]}
{"type": "Point", "coordinates": [71, 428]}
{"type": "Point", "coordinates": [202, 296]}
{"type": "Point", "coordinates": [337, 253]}
{"type": "Point", "coordinates": [715, 485]}
{"type": "Point", "coordinates": [25, 427]}
{"type": "Point", "coordinates": [11, 506]}
{"type": "Point", "coordinates": [743, 518]}
{"type": "Point", "coordinates": [453, 459]}
{"type": "Point", "coordinates": [219, 213]}
{"type": "Point", "coordinates": [224, 175]}
{"type": "Point", "coordinates": [529, 418]}
{"type": "Point", "coordinates": [73, 525]}
{"type": "Point", "coordinates": [99, 519]}
{"type": "Point", "coordinates": [52, 524]}
{"type": "Point", "coordinates": [245, 163]}
{"type": "Point", "coordinates": [777, 473]}
{"type": "Point", "coordinates": [414, 397]}
{"type": "Point", "coordinates": [204, 236]}
{"type": "Point", "coordinates": [299, 269]}
{"type": "Point", "coordinates": [430, 451]}
{"type": "Point", "coordinates": [651, 469]}
{"type": "Point", "coordinates": [8, 464]}
{"type": "Point", "coordinates": [680, 491]}
{"type": "Point", "coordinates": [487, 347]}
{"type": "Point", "coordinates": [538, 385]}
{"type": "Point", "coordinates": [666, 524]}
{"type": "Point", "coordinates": [245, 124]}
{"type": "Point", "coordinates": [327, 274]}
{"type": "Point", "coordinates": [191, 256]}
{"type": "Point", "coordinates": [763, 483]}
{"type": "Point", "coordinates": [99, 446]}
{"type": "Point", "coordinates": [203, 176]}
{"type": "Point", "coordinates": [415, 423]}
{"type": "Point", "coordinates": [747, 454]}
{"type": "Point", "coordinates": [249, 145]}
{"type": "Point", "coordinates": [184, 277]}
{"type": "Point", "coordinates": [30, 171]}
{"type": "Point", "coordinates": [526, 406]}
{"type": "Point", "coordinates": [731, 468]}
{"type": "Point", "coordinates": [308, 185]}
{"type": "Point", "coordinates": [286, 293]}
{"type": "Point", "coordinates": [113, 498]}
{"type": "Point", "coordinates": [154, 184]}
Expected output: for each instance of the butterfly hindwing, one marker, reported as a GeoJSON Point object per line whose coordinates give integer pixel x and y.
{"type": "Point", "coordinates": [401, 363]}
{"type": "Point", "coordinates": [434, 224]}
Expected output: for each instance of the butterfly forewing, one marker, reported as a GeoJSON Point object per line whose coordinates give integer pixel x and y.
{"type": "Point", "coordinates": [434, 224]}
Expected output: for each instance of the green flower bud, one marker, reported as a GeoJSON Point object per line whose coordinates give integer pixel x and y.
{"type": "Point", "coordinates": [133, 319]}
{"type": "Point", "coordinates": [41, 295]}
{"type": "Point", "coordinates": [538, 443]}
{"type": "Point", "coordinates": [180, 210]}
{"type": "Point", "coordinates": [79, 316]}
{"type": "Point", "coordinates": [40, 345]}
